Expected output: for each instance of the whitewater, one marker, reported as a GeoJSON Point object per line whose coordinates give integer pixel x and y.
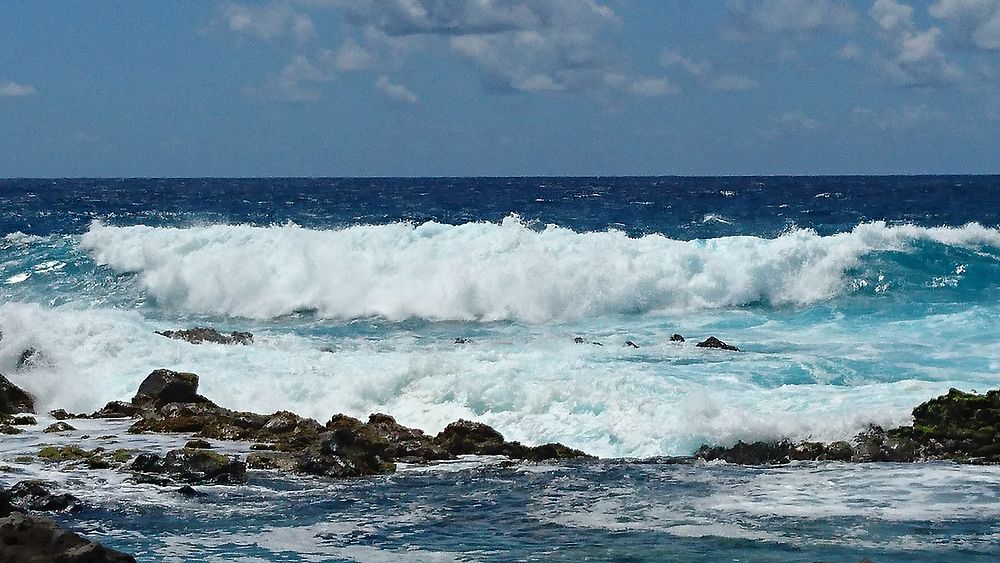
{"type": "Point", "coordinates": [852, 300]}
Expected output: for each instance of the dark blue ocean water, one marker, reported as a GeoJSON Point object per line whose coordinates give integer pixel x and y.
{"type": "Point", "coordinates": [853, 299]}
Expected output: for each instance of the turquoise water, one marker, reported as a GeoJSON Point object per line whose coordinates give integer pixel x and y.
{"type": "Point", "coordinates": [853, 300]}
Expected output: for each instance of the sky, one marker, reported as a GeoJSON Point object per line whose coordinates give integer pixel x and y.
{"type": "Point", "coordinates": [498, 87]}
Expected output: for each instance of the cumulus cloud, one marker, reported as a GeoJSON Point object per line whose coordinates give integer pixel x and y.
{"type": "Point", "coordinates": [650, 87]}
{"type": "Point", "coordinates": [515, 45]}
{"type": "Point", "coordinates": [13, 89]}
{"type": "Point", "coordinates": [797, 18]}
{"type": "Point", "coordinates": [269, 22]}
{"type": "Point", "coordinates": [975, 22]}
{"type": "Point", "coordinates": [395, 92]}
{"type": "Point", "coordinates": [705, 73]}
{"type": "Point", "coordinates": [915, 56]}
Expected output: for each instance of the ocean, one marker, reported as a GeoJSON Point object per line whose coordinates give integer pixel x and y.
{"type": "Point", "coordinates": [853, 299]}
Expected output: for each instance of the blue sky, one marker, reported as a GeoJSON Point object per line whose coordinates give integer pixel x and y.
{"type": "Point", "coordinates": [498, 87]}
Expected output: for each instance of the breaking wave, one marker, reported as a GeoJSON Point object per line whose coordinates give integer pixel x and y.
{"type": "Point", "coordinates": [489, 271]}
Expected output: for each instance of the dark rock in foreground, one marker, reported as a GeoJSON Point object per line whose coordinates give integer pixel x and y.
{"type": "Point", "coordinates": [677, 338]}
{"type": "Point", "coordinates": [34, 539]}
{"type": "Point", "coordinates": [13, 399]}
{"type": "Point", "coordinates": [959, 426]}
{"type": "Point", "coordinates": [713, 342]}
{"type": "Point", "coordinates": [203, 334]}
{"type": "Point", "coordinates": [343, 447]}
{"type": "Point", "coordinates": [163, 386]}
{"type": "Point", "coordinates": [35, 495]}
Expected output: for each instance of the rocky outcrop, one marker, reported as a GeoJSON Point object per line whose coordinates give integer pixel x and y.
{"type": "Point", "coordinates": [343, 447]}
{"type": "Point", "coordinates": [713, 342]}
{"type": "Point", "coordinates": [117, 409]}
{"type": "Point", "coordinates": [34, 539]}
{"type": "Point", "coordinates": [163, 386]}
{"type": "Point", "coordinates": [200, 335]}
{"type": "Point", "coordinates": [192, 466]}
{"type": "Point", "coordinates": [676, 338]}
{"type": "Point", "coordinates": [58, 427]}
{"type": "Point", "coordinates": [13, 399]}
{"type": "Point", "coordinates": [466, 437]}
{"type": "Point", "coordinates": [35, 495]}
{"type": "Point", "coordinates": [958, 426]}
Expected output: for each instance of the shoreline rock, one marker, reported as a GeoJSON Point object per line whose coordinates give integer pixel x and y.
{"type": "Point", "coordinates": [958, 426]}
{"type": "Point", "coordinates": [13, 399]}
{"type": "Point", "coordinates": [200, 335]}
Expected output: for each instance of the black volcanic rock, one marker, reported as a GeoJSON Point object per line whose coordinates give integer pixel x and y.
{"type": "Point", "coordinates": [35, 495]}
{"type": "Point", "coordinates": [13, 399]}
{"type": "Point", "coordinates": [34, 539]}
{"type": "Point", "coordinates": [713, 342]}
{"type": "Point", "coordinates": [164, 386]}
{"type": "Point", "coordinates": [200, 335]}
{"type": "Point", "coordinates": [677, 338]}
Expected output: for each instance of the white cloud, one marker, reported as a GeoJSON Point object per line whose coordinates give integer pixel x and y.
{"type": "Point", "coordinates": [797, 122]}
{"type": "Point", "coordinates": [395, 92]}
{"type": "Point", "coordinates": [350, 57]}
{"type": "Point", "coordinates": [269, 22]}
{"type": "Point", "coordinates": [796, 18]}
{"type": "Point", "coordinates": [975, 22]}
{"type": "Point", "coordinates": [652, 87]}
{"type": "Point", "coordinates": [13, 89]}
{"type": "Point", "coordinates": [705, 73]}
{"type": "Point", "coordinates": [900, 120]}
{"type": "Point", "coordinates": [915, 56]}
{"type": "Point", "coordinates": [851, 52]}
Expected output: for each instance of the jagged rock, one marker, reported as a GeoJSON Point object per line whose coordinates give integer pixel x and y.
{"type": "Point", "coordinates": [461, 340]}
{"type": "Point", "coordinates": [34, 495]}
{"type": "Point", "coordinates": [34, 539]}
{"type": "Point", "coordinates": [779, 452]}
{"type": "Point", "coordinates": [60, 414]}
{"type": "Point", "coordinates": [164, 386]}
{"type": "Point", "coordinates": [23, 420]}
{"type": "Point", "coordinates": [407, 445]}
{"type": "Point", "coordinates": [192, 466]}
{"type": "Point", "coordinates": [204, 334]}
{"type": "Point", "coordinates": [13, 399]}
{"type": "Point", "coordinates": [465, 437]}
{"type": "Point", "coordinates": [98, 458]}
{"type": "Point", "coordinates": [283, 461]}
{"type": "Point", "coordinates": [677, 338]}
{"type": "Point", "coordinates": [578, 340]}
{"type": "Point", "coordinates": [9, 429]}
{"type": "Point", "coordinates": [58, 427]}
{"type": "Point", "coordinates": [713, 342]}
{"type": "Point", "coordinates": [189, 491]}
{"type": "Point", "coordinates": [198, 444]}
{"type": "Point", "coordinates": [630, 344]}
{"type": "Point", "coordinates": [117, 409]}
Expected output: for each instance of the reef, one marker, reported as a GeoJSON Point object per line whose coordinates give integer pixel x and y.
{"type": "Point", "coordinates": [199, 335]}
{"type": "Point", "coordinates": [959, 426]}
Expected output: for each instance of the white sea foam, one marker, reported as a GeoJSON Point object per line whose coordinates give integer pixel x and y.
{"type": "Point", "coordinates": [487, 271]}
{"type": "Point", "coordinates": [532, 383]}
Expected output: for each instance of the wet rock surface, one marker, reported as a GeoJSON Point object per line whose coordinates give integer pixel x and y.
{"type": "Point", "coordinates": [713, 342]}
{"type": "Point", "coordinates": [343, 447]}
{"type": "Point", "coordinates": [201, 335]}
{"type": "Point", "coordinates": [13, 399]}
{"type": "Point", "coordinates": [959, 426]}
{"type": "Point", "coordinates": [192, 466]}
{"type": "Point", "coordinates": [35, 539]}
{"type": "Point", "coordinates": [36, 495]}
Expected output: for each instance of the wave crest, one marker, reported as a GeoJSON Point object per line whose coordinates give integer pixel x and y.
{"type": "Point", "coordinates": [489, 271]}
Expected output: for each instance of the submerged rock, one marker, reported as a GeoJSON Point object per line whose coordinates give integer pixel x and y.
{"type": "Point", "coordinates": [30, 358]}
{"type": "Point", "coordinates": [713, 342]}
{"type": "Point", "coordinates": [35, 495]}
{"type": "Point", "coordinates": [58, 427]}
{"type": "Point", "coordinates": [677, 338]}
{"type": "Point", "coordinates": [630, 344]}
{"type": "Point", "coordinates": [164, 386]}
{"type": "Point", "coordinates": [34, 539]}
{"type": "Point", "coordinates": [13, 399]}
{"type": "Point", "coordinates": [200, 335]}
